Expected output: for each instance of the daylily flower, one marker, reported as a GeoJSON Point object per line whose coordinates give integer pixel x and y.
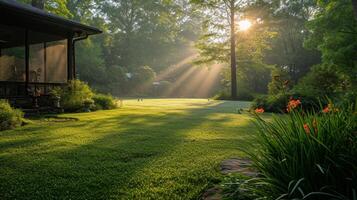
{"type": "Point", "coordinates": [330, 107]}
{"type": "Point", "coordinates": [307, 129]}
{"type": "Point", "coordinates": [326, 110]}
{"type": "Point", "coordinates": [314, 124]}
{"type": "Point", "coordinates": [259, 110]}
{"type": "Point", "coordinates": [293, 103]}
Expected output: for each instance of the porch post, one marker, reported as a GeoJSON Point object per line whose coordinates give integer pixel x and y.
{"type": "Point", "coordinates": [70, 58]}
{"type": "Point", "coordinates": [27, 59]}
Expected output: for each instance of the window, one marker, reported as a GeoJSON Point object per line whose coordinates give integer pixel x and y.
{"type": "Point", "coordinates": [56, 61]}
{"type": "Point", "coordinates": [12, 54]}
{"type": "Point", "coordinates": [48, 58]}
{"type": "Point", "coordinates": [37, 63]}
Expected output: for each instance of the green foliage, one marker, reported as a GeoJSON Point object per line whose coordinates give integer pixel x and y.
{"type": "Point", "coordinates": [278, 103]}
{"type": "Point", "coordinates": [288, 19]}
{"type": "Point", "coordinates": [238, 187]}
{"type": "Point", "coordinates": [77, 96]}
{"type": "Point", "coordinates": [280, 82]}
{"type": "Point", "coordinates": [334, 34]}
{"type": "Point", "coordinates": [334, 29]}
{"type": "Point", "coordinates": [325, 81]}
{"type": "Point", "coordinates": [241, 95]}
{"type": "Point", "coordinates": [104, 102]}
{"type": "Point", "coordinates": [144, 74]}
{"type": "Point", "coordinates": [308, 155]}
{"type": "Point", "coordinates": [74, 96]}
{"type": "Point", "coordinates": [58, 7]}
{"type": "Point", "coordinates": [9, 117]}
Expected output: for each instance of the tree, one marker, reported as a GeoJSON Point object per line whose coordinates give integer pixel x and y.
{"type": "Point", "coordinates": [288, 19]}
{"type": "Point", "coordinates": [57, 7]}
{"type": "Point", "coordinates": [334, 33]}
{"type": "Point", "coordinates": [221, 41]}
{"type": "Point", "coordinates": [227, 10]}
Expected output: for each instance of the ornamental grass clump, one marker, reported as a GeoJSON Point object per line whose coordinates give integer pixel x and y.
{"type": "Point", "coordinates": [308, 155]}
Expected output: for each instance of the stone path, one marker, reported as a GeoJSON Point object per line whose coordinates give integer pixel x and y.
{"type": "Point", "coordinates": [238, 165]}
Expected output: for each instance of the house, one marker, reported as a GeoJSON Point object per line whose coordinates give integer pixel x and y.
{"type": "Point", "coordinates": [37, 51]}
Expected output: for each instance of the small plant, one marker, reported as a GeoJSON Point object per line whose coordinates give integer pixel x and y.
{"type": "Point", "coordinates": [104, 102]}
{"type": "Point", "coordinates": [9, 117]}
{"type": "Point", "coordinates": [238, 187]}
{"type": "Point", "coordinates": [309, 155]}
{"type": "Point", "coordinates": [74, 96]}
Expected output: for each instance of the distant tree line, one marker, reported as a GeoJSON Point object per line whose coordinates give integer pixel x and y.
{"type": "Point", "coordinates": [309, 45]}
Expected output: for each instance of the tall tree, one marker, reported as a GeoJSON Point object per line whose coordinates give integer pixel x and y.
{"type": "Point", "coordinates": [232, 10]}
{"type": "Point", "coordinates": [288, 19]}
{"type": "Point", "coordinates": [221, 40]}
{"type": "Point", "coordinates": [226, 9]}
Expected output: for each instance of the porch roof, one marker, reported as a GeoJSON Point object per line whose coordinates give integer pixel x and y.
{"type": "Point", "coordinates": [27, 16]}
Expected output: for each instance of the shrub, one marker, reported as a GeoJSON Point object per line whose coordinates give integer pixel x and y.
{"type": "Point", "coordinates": [241, 95]}
{"type": "Point", "coordinates": [277, 103]}
{"type": "Point", "coordinates": [280, 81]}
{"type": "Point", "coordinates": [104, 102]}
{"type": "Point", "coordinates": [324, 81]}
{"type": "Point", "coordinates": [74, 96]}
{"type": "Point", "coordinates": [9, 117]}
{"type": "Point", "coordinates": [308, 155]}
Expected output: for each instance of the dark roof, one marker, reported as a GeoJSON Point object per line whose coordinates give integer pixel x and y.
{"type": "Point", "coordinates": [23, 15]}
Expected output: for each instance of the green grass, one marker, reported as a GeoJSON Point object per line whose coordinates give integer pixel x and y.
{"type": "Point", "coordinates": [156, 149]}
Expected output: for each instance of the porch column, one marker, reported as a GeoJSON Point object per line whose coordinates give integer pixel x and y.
{"type": "Point", "coordinates": [70, 53]}
{"type": "Point", "coordinates": [27, 59]}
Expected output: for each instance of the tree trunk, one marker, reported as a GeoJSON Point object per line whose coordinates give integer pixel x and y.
{"type": "Point", "coordinates": [354, 4]}
{"type": "Point", "coordinates": [233, 52]}
{"type": "Point", "coordinates": [38, 4]}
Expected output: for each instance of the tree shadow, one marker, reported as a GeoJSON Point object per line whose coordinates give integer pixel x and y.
{"type": "Point", "coordinates": [101, 158]}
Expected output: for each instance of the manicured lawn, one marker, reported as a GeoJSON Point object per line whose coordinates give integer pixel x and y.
{"type": "Point", "coordinates": [156, 149]}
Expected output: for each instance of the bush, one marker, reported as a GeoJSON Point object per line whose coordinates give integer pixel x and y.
{"type": "Point", "coordinates": [308, 155]}
{"type": "Point", "coordinates": [280, 81]}
{"type": "Point", "coordinates": [104, 102]}
{"type": "Point", "coordinates": [9, 117]}
{"type": "Point", "coordinates": [241, 95]}
{"type": "Point", "coordinates": [277, 103]}
{"type": "Point", "coordinates": [75, 96]}
{"type": "Point", "coordinates": [324, 81]}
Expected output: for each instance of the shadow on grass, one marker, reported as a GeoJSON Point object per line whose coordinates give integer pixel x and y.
{"type": "Point", "coordinates": [101, 159]}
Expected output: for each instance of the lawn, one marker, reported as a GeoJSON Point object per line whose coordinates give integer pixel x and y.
{"type": "Point", "coordinates": [155, 149]}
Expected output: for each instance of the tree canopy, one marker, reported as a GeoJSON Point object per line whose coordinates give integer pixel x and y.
{"type": "Point", "coordinates": [169, 37]}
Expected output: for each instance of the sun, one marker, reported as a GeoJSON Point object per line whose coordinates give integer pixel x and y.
{"type": "Point", "coordinates": [244, 25]}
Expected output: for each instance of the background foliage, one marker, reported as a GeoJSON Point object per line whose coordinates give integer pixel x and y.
{"type": "Point", "coordinates": [304, 42]}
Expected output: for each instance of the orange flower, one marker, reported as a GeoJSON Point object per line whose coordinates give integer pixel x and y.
{"type": "Point", "coordinates": [330, 107]}
{"type": "Point", "coordinates": [314, 124]}
{"type": "Point", "coordinates": [326, 110]}
{"type": "Point", "coordinates": [307, 129]}
{"type": "Point", "coordinates": [259, 110]}
{"type": "Point", "coordinates": [292, 104]}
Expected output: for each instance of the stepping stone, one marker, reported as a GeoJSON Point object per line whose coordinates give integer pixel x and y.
{"type": "Point", "coordinates": [238, 165]}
